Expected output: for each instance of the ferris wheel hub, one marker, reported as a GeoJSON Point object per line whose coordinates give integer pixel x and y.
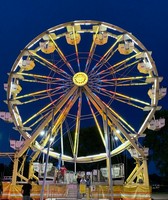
{"type": "Point", "coordinates": [80, 79]}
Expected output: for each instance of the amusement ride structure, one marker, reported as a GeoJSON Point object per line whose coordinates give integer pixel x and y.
{"type": "Point", "coordinates": [79, 74]}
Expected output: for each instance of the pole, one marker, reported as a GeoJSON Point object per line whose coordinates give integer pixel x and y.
{"type": "Point", "coordinates": [62, 144]}
{"type": "Point", "coordinates": [75, 166]}
{"type": "Point", "coordinates": [109, 164]}
{"type": "Point", "coordinates": [47, 157]}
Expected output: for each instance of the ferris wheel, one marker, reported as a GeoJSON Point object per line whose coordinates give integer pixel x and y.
{"type": "Point", "coordinates": [81, 74]}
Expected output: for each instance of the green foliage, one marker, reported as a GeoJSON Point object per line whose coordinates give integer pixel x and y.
{"type": "Point", "coordinates": [157, 141]}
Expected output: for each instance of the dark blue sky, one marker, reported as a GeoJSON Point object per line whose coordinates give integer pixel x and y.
{"type": "Point", "coordinates": [21, 21]}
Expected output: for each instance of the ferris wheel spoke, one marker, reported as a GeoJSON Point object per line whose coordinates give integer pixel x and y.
{"type": "Point", "coordinates": [62, 55]}
{"type": "Point", "coordinates": [42, 116]}
{"type": "Point", "coordinates": [54, 103]}
{"type": "Point", "coordinates": [91, 52]}
{"type": "Point", "coordinates": [44, 109]}
{"type": "Point", "coordinates": [123, 97]}
{"type": "Point", "coordinates": [116, 66]}
{"type": "Point", "coordinates": [90, 56]}
{"type": "Point", "coordinates": [61, 84]}
{"type": "Point", "coordinates": [115, 71]}
{"type": "Point", "coordinates": [104, 61]}
{"type": "Point", "coordinates": [41, 82]}
{"type": "Point", "coordinates": [67, 131]}
{"type": "Point", "coordinates": [41, 77]}
{"type": "Point", "coordinates": [114, 120]}
{"type": "Point", "coordinates": [49, 64]}
{"type": "Point", "coordinates": [48, 119]}
{"type": "Point", "coordinates": [109, 53]}
{"type": "Point", "coordinates": [76, 48]}
{"type": "Point", "coordinates": [122, 121]}
{"type": "Point", "coordinates": [69, 134]}
{"type": "Point", "coordinates": [34, 94]}
{"type": "Point", "coordinates": [77, 128]}
{"type": "Point", "coordinates": [54, 70]}
{"type": "Point", "coordinates": [123, 67]}
{"type": "Point", "coordinates": [99, 104]}
{"type": "Point", "coordinates": [126, 81]}
{"type": "Point", "coordinates": [106, 94]}
{"type": "Point", "coordinates": [129, 98]}
{"type": "Point", "coordinates": [125, 60]}
{"type": "Point", "coordinates": [96, 121]}
{"type": "Point", "coordinates": [37, 98]}
{"type": "Point", "coordinates": [62, 116]}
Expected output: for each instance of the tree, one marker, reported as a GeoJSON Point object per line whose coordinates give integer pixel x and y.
{"type": "Point", "coordinates": [157, 141]}
{"type": "Point", "coordinates": [1, 170]}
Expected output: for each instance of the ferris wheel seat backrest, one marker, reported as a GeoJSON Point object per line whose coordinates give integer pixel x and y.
{"type": "Point", "coordinates": [126, 47]}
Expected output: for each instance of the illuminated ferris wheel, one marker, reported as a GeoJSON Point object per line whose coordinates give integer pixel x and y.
{"type": "Point", "coordinates": [81, 74]}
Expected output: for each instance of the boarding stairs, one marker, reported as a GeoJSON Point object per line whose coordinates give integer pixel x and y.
{"type": "Point", "coordinates": [72, 192]}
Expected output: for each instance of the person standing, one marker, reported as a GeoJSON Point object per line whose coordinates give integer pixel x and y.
{"type": "Point", "coordinates": [83, 186]}
{"type": "Point", "coordinates": [26, 190]}
{"type": "Point", "coordinates": [78, 185]}
{"type": "Point", "coordinates": [63, 172]}
{"type": "Point", "coordinates": [88, 186]}
{"type": "Point", "coordinates": [88, 181]}
{"type": "Point", "coordinates": [78, 180]}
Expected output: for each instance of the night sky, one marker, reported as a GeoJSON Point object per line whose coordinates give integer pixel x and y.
{"type": "Point", "coordinates": [21, 21]}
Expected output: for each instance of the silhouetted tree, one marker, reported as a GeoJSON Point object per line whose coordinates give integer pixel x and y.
{"type": "Point", "coordinates": [157, 141]}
